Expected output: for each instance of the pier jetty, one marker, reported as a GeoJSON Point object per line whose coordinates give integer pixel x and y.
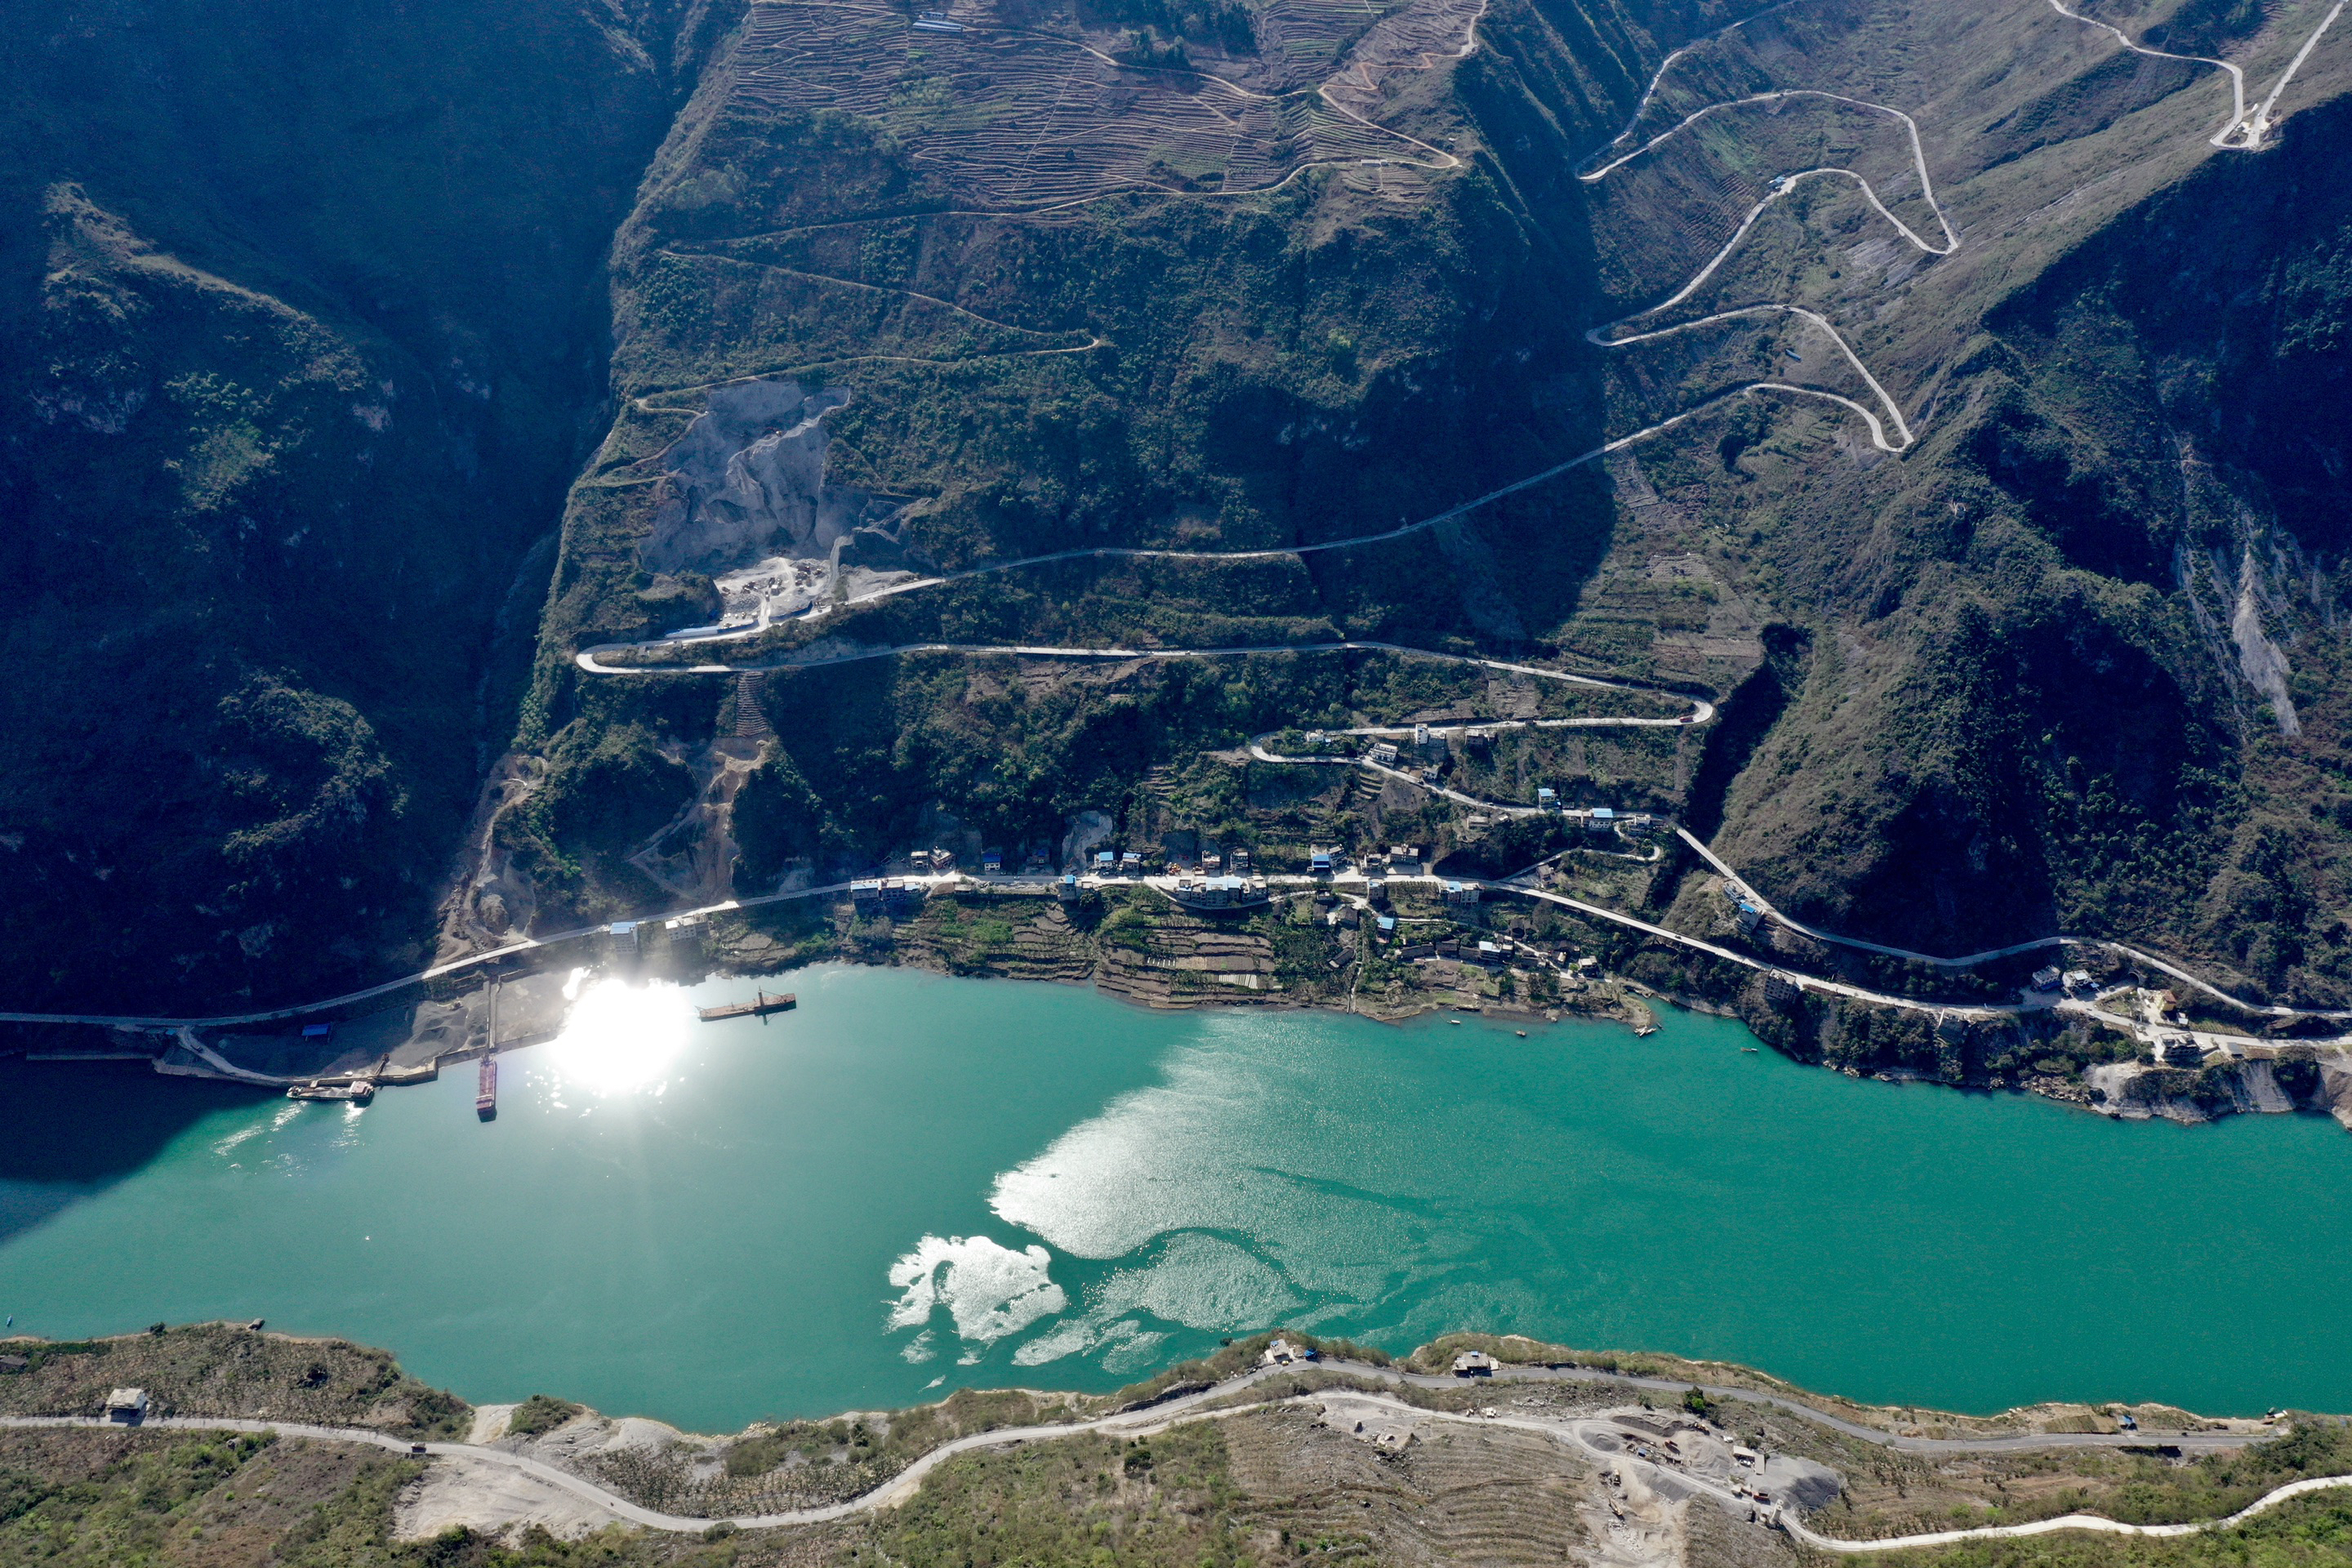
{"type": "Point", "coordinates": [758, 1008]}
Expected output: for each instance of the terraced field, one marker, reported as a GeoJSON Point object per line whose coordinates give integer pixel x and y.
{"type": "Point", "coordinates": [1013, 120]}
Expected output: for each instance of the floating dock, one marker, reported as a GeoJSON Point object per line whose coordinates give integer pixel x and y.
{"type": "Point", "coordinates": [759, 1008]}
{"type": "Point", "coordinates": [486, 1097]}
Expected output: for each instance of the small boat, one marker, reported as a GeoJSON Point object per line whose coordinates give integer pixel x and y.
{"type": "Point", "coordinates": [1521, 1033]}
{"type": "Point", "coordinates": [1747, 1051]}
{"type": "Point", "coordinates": [1645, 1031]}
{"type": "Point", "coordinates": [486, 1095]}
{"type": "Point", "coordinates": [1455, 1022]}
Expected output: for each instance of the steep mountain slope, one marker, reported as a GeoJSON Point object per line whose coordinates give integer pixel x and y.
{"type": "Point", "coordinates": [300, 323]}
{"type": "Point", "coordinates": [1992, 359]}
{"type": "Point", "coordinates": [1959, 391]}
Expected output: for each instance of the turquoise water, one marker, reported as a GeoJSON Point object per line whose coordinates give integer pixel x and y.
{"type": "Point", "coordinates": [916, 1183]}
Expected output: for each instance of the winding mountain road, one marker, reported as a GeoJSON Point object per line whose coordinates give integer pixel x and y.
{"type": "Point", "coordinates": [1573, 1430]}
{"type": "Point", "coordinates": [1610, 334]}
{"type": "Point", "coordinates": [1971, 959]}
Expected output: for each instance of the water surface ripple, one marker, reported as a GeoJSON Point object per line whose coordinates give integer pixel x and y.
{"type": "Point", "coordinates": [915, 1182]}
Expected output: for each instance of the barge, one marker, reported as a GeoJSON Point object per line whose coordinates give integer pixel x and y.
{"type": "Point", "coordinates": [486, 1095]}
{"type": "Point", "coordinates": [759, 1009]}
{"type": "Point", "coordinates": [356, 1093]}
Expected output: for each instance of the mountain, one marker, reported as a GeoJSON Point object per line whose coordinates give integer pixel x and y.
{"type": "Point", "coordinates": [303, 326]}
{"type": "Point", "coordinates": [1956, 394]}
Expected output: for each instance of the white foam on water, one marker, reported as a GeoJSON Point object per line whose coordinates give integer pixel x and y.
{"type": "Point", "coordinates": [990, 1290]}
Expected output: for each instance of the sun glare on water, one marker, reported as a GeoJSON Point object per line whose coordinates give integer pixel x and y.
{"type": "Point", "coordinates": [621, 1039]}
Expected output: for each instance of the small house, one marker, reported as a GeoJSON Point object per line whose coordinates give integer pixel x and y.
{"type": "Point", "coordinates": [1131, 863]}
{"type": "Point", "coordinates": [12, 1363]}
{"type": "Point", "coordinates": [127, 1406]}
{"type": "Point", "coordinates": [1066, 890]}
{"type": "Point", "coordinates": [2079, 980]}
{"type": "Point", "coordinates": [1384, 753]}
{"type": "Point", "coordinates": [1105, 863]}
{"type": "Point", "coordinates": [1377, 890]}
{"type": "Point", "coordinates": [1421, 737]}
{"type": "Point", "coordinates": [1241, 858]}
{"type": "Point", "coordinates": [1749, 919]}
{"type": "Point", "coordinates": [1318, 862]}
{"type": "Point", "coordinates": [1474, 1364]}
{"type": "Point", "coordinates": [1387, 924]}
{"type": "Point", "coordinates": [1282, 1352]}
{"type": "Point", "coordinates": [1461, 893]}
{"type": "Point", "coordinates": [992, 861]}
{"type": "Point", "coordinates": [867, 894]}
{"type": "Point", "coordinates": [1212, 863]}
{"type": "Point", "coordinates": [318, 1031]}
{"type": "Point", "coordinates": [2047, 979]}
{"type": "Point", "coordinates": [1547, 797]}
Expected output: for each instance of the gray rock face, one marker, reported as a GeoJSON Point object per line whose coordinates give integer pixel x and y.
{"type": "Point", "coordinates": [747, 484]}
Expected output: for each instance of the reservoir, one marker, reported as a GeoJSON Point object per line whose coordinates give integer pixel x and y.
{"type": "Point", "coordinates": [914, 1182]}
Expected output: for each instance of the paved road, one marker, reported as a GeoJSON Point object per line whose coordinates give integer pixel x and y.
{"type": "Point", "coordinates": [1157, 1418]}
{"type": "Point", "coordinates": [1969, 960]}
{"type": "Point", "coordinates": [1641, 105]}
{"type": "Point", "coordinates": [1610, 335]}
{"type": "Point", "coordinates": [2243, 131]}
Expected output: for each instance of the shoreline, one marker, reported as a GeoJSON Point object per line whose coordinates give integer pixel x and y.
{"type": "Point", "coordinates": [1790, 1460]}
{"type": "Point", "coordinates": [447, 1023]}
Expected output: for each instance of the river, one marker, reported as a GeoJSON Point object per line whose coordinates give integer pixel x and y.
{"type": "Point", "coordinates": [915, 1182]}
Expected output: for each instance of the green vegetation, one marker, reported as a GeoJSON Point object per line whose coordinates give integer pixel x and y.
{"type": "Point", "coordinates": [1095, 1501]}
{"type": "Point", "coordinates": [291, 409]}
{"type": "Point", "coordinates": [539, 1413]}
{"type": "Point", "coordinates": [216, 1369]}
{"type": "Point", "coordinates": [1895, 1495]}
{"type": "Point", "coordinates": [1966, 702]}
{"type": "Point", "coordinates": [306, 373]}
{"type": "Point", "coordinates": [113, 1500]}
{"type": "Point", "coordinates": [2314, 1530]}
{"type": "Point", "coordinates": [1249, 1490]}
